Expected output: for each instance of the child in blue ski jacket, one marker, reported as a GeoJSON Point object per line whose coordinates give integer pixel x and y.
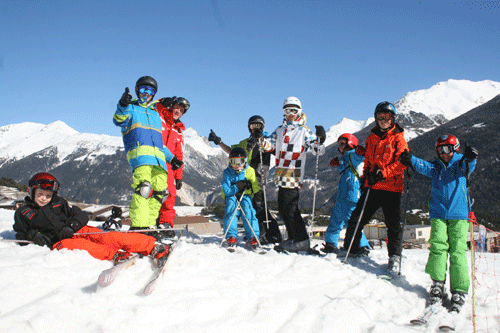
{"type": "Point", "coordinates": [449, 212]}
{"type": "Point", "coordinates": [349, 192]}
{"type": "Point", "coordinates": [141, 128]}
{"type": "Point", "coordinates": [239, 180]}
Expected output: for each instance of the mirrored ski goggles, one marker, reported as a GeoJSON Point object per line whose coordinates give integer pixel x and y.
{"type": "Point", "coordinates": [146, 90]}
{"type": "Point", "coordinates": [255, 126]}
{"type": "Point", "coordinates": [288, 111]}
{"type": "Point", "coordinates": [384, 116]}
{"type": "Point", "coordinates": [237, 161]}
{"type": "Point", "coordinates": [447, 149]}
{"type": "Point", "coordinates": [47, 184]}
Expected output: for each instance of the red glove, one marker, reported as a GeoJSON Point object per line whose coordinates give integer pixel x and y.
{"type": "Point", "coordinates": [360, 150]}
{"type": "Point", "coordinates": [335, 162]}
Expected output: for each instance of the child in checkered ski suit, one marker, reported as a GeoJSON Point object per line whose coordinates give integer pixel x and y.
{"type": "Point", "coordinates": [291, 140]}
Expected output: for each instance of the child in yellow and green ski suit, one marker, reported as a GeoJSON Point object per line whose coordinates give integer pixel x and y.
{"type": "Point", "coordinates": [141, 128]}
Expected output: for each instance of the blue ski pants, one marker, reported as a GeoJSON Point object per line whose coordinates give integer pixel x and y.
{"type": "Point", "coordinates": [247, 207]}
{"type": "Point", "coordinates": [339, 218]}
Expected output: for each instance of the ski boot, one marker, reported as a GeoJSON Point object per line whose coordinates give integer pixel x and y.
{"type": "Point", "coordinates": [393, 264]}
{"type": "Point", "coordinates": [231, 243]}
{"type": "Point", "coordinates": [293, 246]}
{"type": "Point", "coordinates": [166, 232]}
{"type": "Point", "coordinates": [160, 252]}
{"type": "Point", "coordinates": [120, 256]}
{"type": "Point", "coordinates": [437, 292]}
{"type": "Point", "coordinates": [329, 248]}
{"type": "Point", "coordinates": [457, 301]}
{"type": "Point", "coordinates": [253, 244]}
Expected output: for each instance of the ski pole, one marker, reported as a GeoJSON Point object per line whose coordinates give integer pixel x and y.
{"type": "Point", "coordinates": [406, 208]}
{"type": "Point", "coordinates": [248, 222]}
{"type": "Point", "coordinates": [264, 178]}
{"type": "Point", "coordinates": [125, 231]}
{"type": "Point", "coordinates": [312, 222]}
{"type": "Point", "coordinates": [231, 221]}
{"type": "Point", "coordinates": [16, 241]}
{"type": "Point", "coordinates": [357, 224]}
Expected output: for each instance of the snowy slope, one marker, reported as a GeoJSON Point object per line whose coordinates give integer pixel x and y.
{"type": "Point", "coordinates": [346, 125]}
{"type": "Point", "coordinates": [208, 289]}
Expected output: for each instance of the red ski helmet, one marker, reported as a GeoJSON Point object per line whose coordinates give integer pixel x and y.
{"type": "Point", "coordinates": [448, 140]}
{"type": "Point", "coordinates": [42, 180]}
{"type": "Point", "coordinates": [352, 141]}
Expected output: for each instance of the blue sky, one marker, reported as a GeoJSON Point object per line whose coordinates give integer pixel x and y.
{"type": "Point", "coordinates": [71, 60]}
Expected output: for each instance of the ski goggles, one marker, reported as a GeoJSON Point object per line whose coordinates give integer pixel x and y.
{"type": "Point", "coordinates": [384, 116]}
{"type": "Point", "coordinates": [342, 142]}
{"type": "Point", "coordinates": [146, 90]}
{"type": "Point", "coordinates": [255, 126]}
{"type": "Point", "coordinates": [446, 149]}
{"type": "Point", "coordinates": [237, 161]}
{"type": "Point", "coordinates": [288, 111]}
{"type": "Point", "coordinates": [47, 184]}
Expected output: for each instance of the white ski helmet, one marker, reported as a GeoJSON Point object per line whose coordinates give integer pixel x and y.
{"type": "Point", "coordinates": [291, 102]}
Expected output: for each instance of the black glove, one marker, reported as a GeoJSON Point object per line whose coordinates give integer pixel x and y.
{"type": "Point", "coordinates": [258, 133]}
{"type": "Point", "coordinates": [168, 101]}
{"type": "Point", "coordinates": [126, 98]}
{"type": "Point", "coordinates": [176, 163]}
{"type": "Point", "coordinates": [375, 176]}
{"type": "Point", "coordinates": [178, 184]}
{"type": "Point", "coordinates": [213, 137]}
{"type": "Point", "coordinates": [38, 238]}
{"type": "Point", "coordinates": [251, 142]}
{"type": "Point", "coordinates": [242, 185]}
{"type": "Point", "coordinates": [66, 232]}
{"type": "Point", "coordinates": [470, 153]}
{"type": "Point", "coordinates": [405, 158]}
{"type": "Point", "coordinates": [320, 133]}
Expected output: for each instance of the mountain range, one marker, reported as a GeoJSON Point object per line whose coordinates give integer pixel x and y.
{"type": "Point", "coordinates": [93, 168]}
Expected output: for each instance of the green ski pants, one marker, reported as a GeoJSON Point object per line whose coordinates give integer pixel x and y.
{"type": "Point", "coordinates": [144, 212]}
{"type": "Point", "coordinates": [449, 237]}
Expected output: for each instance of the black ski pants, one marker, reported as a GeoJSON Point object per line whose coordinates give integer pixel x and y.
{"type": "Point", "coordinates": [288, 206]}
{"type": "Point", "coordinates": [390, 203]}
{"type": "Point", "coordinates": [269, 232]}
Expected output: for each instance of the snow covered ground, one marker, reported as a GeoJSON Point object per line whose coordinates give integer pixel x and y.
{"type": "Point", "coordinates": [208, 289]}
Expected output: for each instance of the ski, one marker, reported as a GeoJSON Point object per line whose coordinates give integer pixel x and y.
{"type": "Point", "coordinates": [448, 323]}
{"type": "Point", "coordinates": [160, 270]}
{"type": "Point", "coordinates": [108, 276]}
{"type": "Point", "coordinates": [426, 314]}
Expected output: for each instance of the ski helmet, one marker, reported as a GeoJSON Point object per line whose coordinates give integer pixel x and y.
{"type": "Point", "coordinates": [183, 102]}
{"type": "Point", "coordinates": [291, 102]}
{"type": "Point", "coordinates": [385, 107]}
{"type": "Point", "coordinates": [448, 140]}
{"type": "Point", "coordinates": [237, 158]}
{"type": "Point", "coordinates": [255, 121]}
{"type": "Point", "coordinates": [352, 141]}
{"type": "Point", "coordinates": [146, 81]}
{"type": "Point", "coordinates": [43, 180]}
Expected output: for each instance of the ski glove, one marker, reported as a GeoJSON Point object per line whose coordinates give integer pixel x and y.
{"type": "Point", "coordinates": [126, 99]}
{"type": "Point", "coordinates": [335, 162]}
{"type": "Point", "coordinates": [360, 150]}
{"type": "Point", "coordinates": [168, 101]}
{"type": "Point", "coordinates": [375, 176]}
{"type": "Point", "coordinates": [178, 184]}
{"type": "Point", "coordinates": [176, 163]}
{"type": "Point", "coordinates": [66, 232]}
{"type": "Point", "coordinates": [38, 238]}
{"type": "Point", "coordinates": [470, 153]}
{"type": "Point", "coordinates": [243, 185]}
{"type": "Point", "coordinates": [214, 138]}
{"type": "Point", "coordinates": [405, 158]}
{"type": "Point", "coordinates": [321, 134]}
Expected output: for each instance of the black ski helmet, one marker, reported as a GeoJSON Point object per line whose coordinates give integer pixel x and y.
{"type": "Point", "coordinates": [184, 102]}
{"type": "Point", "coordinates": [256, 120]}
{"type": "Point", "coordinates": [146, 81]}
{"type": "Point", "coordinates": [237, 152]}
{"type": "Point", "coordinates": [385, 107]}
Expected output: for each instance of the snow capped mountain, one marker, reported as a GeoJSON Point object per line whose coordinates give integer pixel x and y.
{"type": "Point", "coordinates": [449, 99]}
{"type": "Point", "coordinates": [346, 125]}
